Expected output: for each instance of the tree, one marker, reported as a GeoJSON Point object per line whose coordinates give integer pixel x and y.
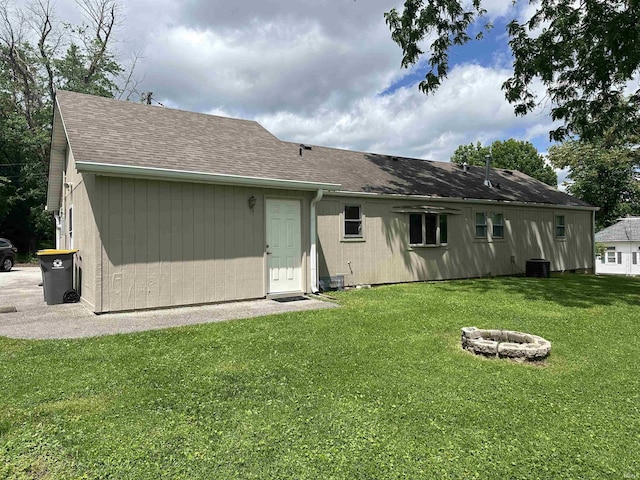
{"type": "Point", "coordinates": [5, 183]}
{"type": "Point", "coordinates": [88, 65]}
{"type": "Point", "coordinates": [584, 53]}
{"type": "Point", "coordinates": [37, 56]}
{"type": "Point", "coordinates": [604, 176]}
{"type": "Point", "coordinates": [510, 154]}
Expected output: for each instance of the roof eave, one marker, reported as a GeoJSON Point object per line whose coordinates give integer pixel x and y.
{"type": "Point", "coordinates": [154, 173]}
{"type": "Point", "coordinates": [460, 200]}
{"type": "Point", "coordinates": [56, 160]}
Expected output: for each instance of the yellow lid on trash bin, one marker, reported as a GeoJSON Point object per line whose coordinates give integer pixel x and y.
{"type": "Point", "coordinates": [53, 251]}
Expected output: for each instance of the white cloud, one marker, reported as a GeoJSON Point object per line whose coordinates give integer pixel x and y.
{"type": "Point", "coordinates": [563, 179]}
{"type": "Point", "coordinates": [268, 66]}
{"type": "Point", "coordinates": [469, 107]}
{"type": "Point", "coordinates": [542, 128]}
{"type": "Point", "coordinates": [341, 19]}
{"type": "Point", "coordinates": [498, 8]}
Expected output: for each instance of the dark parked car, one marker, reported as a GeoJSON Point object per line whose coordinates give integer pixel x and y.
{"type": "Point", "coordinates": [7, 255]}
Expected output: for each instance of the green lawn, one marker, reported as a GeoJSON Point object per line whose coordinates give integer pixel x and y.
{"type": "Point", "coordinates": [377, 389]}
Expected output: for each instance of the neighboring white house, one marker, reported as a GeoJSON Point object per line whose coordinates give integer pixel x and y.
{"type": "Point", "coordinates": [623, 248]}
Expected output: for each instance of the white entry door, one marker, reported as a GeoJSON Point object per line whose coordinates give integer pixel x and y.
{"type": "Point", "coordinates": [284, 252]}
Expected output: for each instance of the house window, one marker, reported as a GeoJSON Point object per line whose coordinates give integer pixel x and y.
{"type": "Point", "coordinates": [560, 230]}
{"type": "Point", "coordinates": [481, 225]}
{"type": "Point", "coordinates": [415, 228]}
{"type": "Point", "coordinates": [497, 222]}
{"type": "Point", "coordinates": [353, 221]}
{"type": "Point", "coordinates": [611, 254]}
{"type": "Point", "coordinates": [427, 229]}
{"type": "Point", "coordinates": [70, 224]}
{"type": "Point", "coordinates": [634, 258]}
{"type": "Point", "coordinates": [443, 229]}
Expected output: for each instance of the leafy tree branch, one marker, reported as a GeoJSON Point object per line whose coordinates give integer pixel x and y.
{"type": "Point", "coordinates": [511, 154]}
{"type": "Point", "coordinates": [584, 53]}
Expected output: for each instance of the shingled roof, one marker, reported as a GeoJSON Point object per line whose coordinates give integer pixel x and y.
{"type": "Point", "coordinates": [625, 230]}
{"type": "Point", "coordinates": [111, 132]}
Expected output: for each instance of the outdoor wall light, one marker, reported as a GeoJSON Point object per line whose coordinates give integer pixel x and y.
{"type": "Point", "coordinates": [252, 201]}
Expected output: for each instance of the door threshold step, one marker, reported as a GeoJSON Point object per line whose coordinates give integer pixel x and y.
{"type": "Point", "coordinates": [287, 296]}
{"type": "Point", "coordinates": [290, 299]}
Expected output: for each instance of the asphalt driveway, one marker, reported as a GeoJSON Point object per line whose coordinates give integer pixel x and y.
{"type": "Point", "coordinates": [34, 319]}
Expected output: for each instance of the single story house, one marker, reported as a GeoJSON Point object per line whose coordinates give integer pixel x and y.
{"type": "Point", "coordinates": [172, 208]}
{"type": "Point", "coordinates": [622, 242]}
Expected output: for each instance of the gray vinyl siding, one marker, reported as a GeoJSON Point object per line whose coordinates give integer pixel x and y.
{"type": "Point", "coordinates": [172, 243]}
{"type": "Point", "coordinates": [385, 256]}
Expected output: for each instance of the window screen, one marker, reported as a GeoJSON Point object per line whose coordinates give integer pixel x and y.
{"type": "Point", "coordinates": [481, 224]}
{"type": "Point", "coordinates": [560, 230]}
{"type": "Point", "coordinates": [443, 229]}
{"type": "Point", "coordinates": [352, 221]}
{"type": "Point", "coordinates": [431, 227]}
{"type": "Point", "coordinates": [497, 220]}
{"type": "Point", "coordinates": [415, 229]}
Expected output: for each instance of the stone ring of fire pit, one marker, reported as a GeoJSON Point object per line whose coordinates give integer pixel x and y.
{"type": "Point", "coordinates": [505, 344]}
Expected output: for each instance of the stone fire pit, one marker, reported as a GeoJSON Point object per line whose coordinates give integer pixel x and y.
{"type": "Point", "coordinates": [505, 344]}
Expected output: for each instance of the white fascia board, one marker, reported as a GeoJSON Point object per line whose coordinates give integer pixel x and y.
{"type": "Point", "coordinates": [154, 173]}
{"type": "Point", "coordinates": [393, 196]}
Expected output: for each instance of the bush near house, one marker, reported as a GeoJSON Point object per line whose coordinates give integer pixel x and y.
{"type": "Point", "coordinates": [377, 389]}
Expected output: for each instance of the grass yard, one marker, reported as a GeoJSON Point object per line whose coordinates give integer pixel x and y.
{"type": "Point", "coordinates": [377, 389]}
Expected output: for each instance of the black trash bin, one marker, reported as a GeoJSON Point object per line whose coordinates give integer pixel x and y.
{"type": "Point", "coordinates": [57, 276]}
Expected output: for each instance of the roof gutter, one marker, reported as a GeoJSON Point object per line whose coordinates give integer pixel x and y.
{"type": "Point", "coordinates": [394, 196]}
{"type": "Point", "coordinates": [153, 173]}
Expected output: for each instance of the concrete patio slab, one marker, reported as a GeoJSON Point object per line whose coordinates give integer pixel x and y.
{"type": "Point", "coordinates": [34, 319]}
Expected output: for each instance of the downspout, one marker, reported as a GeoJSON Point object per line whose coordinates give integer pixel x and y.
{"type": "Point", "coordinates": [629, 237]}
{"type": "Point", "coordinates": [313, 255]}
{"type": "Point", "coordinates": [58, 229]}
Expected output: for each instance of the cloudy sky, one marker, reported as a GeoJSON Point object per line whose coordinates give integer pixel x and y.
{"type": "Point", "coordinates": [322, 72]}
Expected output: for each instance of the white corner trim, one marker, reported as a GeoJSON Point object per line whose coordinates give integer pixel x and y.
{"type": "Point", "coordinates": [199, 177]}
{"type": "Point", "coordinates": [313, 235]}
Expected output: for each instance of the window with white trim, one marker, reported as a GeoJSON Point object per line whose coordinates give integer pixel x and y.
{"type": "Point", "coordinates": [611, 254]}
{"type": "Point", "coordinates": [427, 229]}
{"type": "Point", "coordinates": [560, 226]}
{"type": "Point", "coordinates": [352, 221]}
